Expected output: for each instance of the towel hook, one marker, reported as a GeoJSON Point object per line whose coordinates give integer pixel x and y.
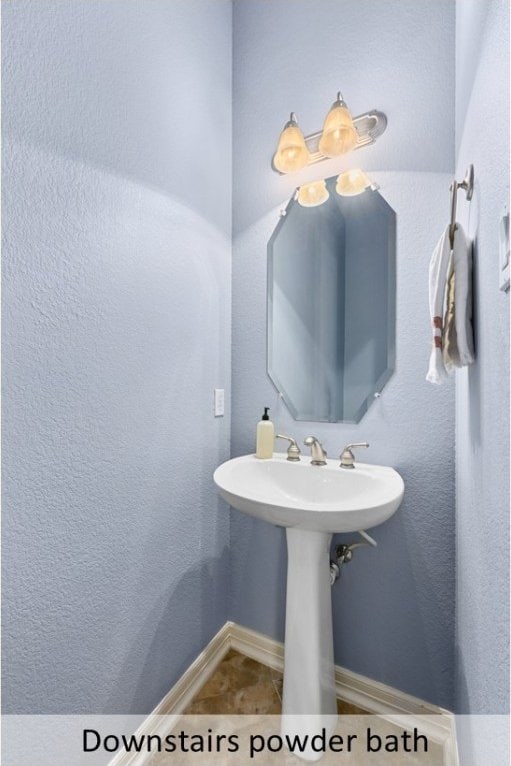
{"type": "Point", "coordinates": [468, 185]}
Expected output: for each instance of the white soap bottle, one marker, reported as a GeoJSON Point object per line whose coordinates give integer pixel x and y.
{"type": "Point", "coordinates": [265, 436]}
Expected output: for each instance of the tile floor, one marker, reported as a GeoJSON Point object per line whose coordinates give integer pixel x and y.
{"type": "Point", "coordinates": [242, 686]}
{"type": "Point", "coordinates": [243, 699]}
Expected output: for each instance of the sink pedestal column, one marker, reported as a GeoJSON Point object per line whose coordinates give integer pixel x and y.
{"type": "Point", "coordinates": [309, 700]}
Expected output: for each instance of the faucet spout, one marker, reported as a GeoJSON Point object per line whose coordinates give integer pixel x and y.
{"type": "Point", "coordinates": [318, 454]}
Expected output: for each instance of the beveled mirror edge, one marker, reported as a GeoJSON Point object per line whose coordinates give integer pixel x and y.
{"type": "Point", "coordinates": [388, 373]}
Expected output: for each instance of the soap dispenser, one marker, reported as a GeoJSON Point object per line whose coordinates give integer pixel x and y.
{"type": "Point", "coordinates": [265, 436]}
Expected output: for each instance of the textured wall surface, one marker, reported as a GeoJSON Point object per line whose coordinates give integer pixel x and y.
{"type": "Point", "coordinates": [394, 608]}
{"type": "Point", "coordinates": [394, 56]}
{"type": "Point", "coordinates": [116, 323]}
{"type": "Point", "coordinates": [482, 391]}
{"type": "Point", "coordinates": [116, 328]}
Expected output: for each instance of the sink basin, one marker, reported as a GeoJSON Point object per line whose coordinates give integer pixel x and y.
{"type": "Point", "coordinates": [318, 498]}
{"type": "Point", "coordinates": [313, 503]}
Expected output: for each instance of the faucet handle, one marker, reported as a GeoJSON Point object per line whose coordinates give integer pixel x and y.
{"type": "Point", "coordinates": [293, 451]}
{"type": "Point", "coordinates": [347, 456]}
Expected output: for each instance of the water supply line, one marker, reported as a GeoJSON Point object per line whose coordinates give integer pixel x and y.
{"type": "Point", "coordinates": [344, 554]}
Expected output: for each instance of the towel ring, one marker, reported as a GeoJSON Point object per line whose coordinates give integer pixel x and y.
{"type": "Point", "coordinates": [468, 185]}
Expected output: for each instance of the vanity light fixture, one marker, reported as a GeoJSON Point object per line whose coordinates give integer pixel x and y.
{"type": "Point", "coordinates": [353, 182]}
{"type": "Point", "coordinates": [339, 133]}
{"type": "Point", "coordinates": [313, 194]}
{"type": "Point", "coordinates": [292, 153]}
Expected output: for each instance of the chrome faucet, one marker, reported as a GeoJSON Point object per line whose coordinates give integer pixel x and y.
{"type": "Point", "coordinates": [293, 451]}
{"type": "Point", "coordinates": [347, 456]}
{"type": "Point", "coordinates": [318, 454]}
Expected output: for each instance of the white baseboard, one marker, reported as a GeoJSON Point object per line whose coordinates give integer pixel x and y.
{"type": "Point", "coordinates": [167, 712]}
{"type": "Point", "coordinates": [194, 678]}
{"type": "Point", "coordinates": [374, 697]}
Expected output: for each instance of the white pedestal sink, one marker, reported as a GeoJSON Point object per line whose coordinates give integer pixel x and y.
{"type": "Point", "coordinates": [313, 503]}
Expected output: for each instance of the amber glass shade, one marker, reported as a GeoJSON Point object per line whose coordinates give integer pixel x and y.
{"type": "Point", "coordinates": [292, 153]}
{"type": "Point", "coordinates": [339, 133]}
{"type": "Point", "coordinates": [352, 182]}
{"type": "Point", "coordinates": [313, 194]}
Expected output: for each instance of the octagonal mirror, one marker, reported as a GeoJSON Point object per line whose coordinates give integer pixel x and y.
{"type": "Point", "coordinates": [331, 305]}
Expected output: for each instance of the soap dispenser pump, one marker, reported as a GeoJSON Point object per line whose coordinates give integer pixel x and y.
{"type": "Point", "coordinates": [265, 437]}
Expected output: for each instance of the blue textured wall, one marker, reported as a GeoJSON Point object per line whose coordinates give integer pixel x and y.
{"type": "Point", "coordinates": [394, 608]}
{"type": "Point", "coordinates": [116, 321]}
{"type": "Point", "coordinates": [116, 328]}
{"type": "Point", "coordinates": [482, 391]}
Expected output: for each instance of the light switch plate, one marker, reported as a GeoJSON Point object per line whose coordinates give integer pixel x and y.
{"type": "Point", "coordinates": [504, 250]}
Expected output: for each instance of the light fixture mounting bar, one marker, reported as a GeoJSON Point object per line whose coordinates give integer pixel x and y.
{"type": "Point", "coordinates": [369, 126]}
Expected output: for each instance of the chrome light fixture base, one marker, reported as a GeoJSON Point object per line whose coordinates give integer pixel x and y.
{"type": "Point", "coordinates": [370, 126]}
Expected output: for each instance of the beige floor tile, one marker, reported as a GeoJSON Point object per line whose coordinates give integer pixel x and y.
{"type": "Point", "coordinates": [242, 686]}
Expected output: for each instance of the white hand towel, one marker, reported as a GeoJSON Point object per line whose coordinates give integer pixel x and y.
{"type": "Point", "coordinates": [462, 262]}
{"type": "Point", "coordinates": [437, 278]}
